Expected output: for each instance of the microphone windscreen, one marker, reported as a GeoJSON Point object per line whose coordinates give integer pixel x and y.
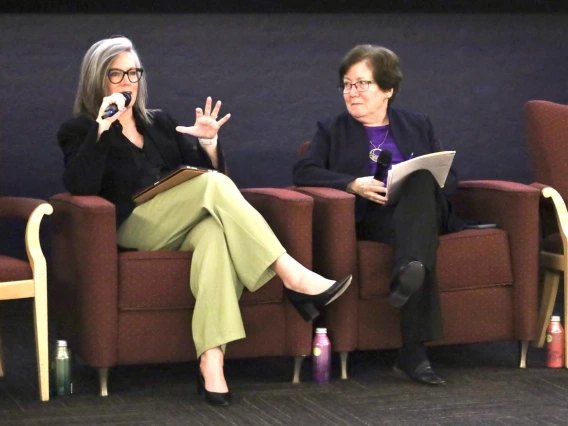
{"type": "Point", "coordinates": [385, 157]}
{"type": "Point", "coordinates": [127, 98]}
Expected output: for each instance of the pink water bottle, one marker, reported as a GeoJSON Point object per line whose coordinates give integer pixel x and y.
{"type": "Point", "coordinates": [321, 357]}
{"type": "Point", "coordinates": [555, 344]}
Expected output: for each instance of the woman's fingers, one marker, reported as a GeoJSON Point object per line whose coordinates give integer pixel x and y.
{"type": "Point", "coordinates": [215, 111]}
{"type": "Point", "coordinates": [184, 129]}
{"type": "Point", "coordinates": [376, 198]}
{"type": "Point", "coordinates": [208, 105]}
{"type": "Point", "coordinates": [224, 120]}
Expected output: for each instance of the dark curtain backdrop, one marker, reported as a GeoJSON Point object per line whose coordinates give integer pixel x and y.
{"type": "Point", "coordinates": [276, 74]}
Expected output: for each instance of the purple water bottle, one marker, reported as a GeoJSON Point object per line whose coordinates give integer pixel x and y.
{"type": "Point", "coordinates": [321, 359]}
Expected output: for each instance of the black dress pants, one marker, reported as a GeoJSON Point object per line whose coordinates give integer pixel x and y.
{"type": "Point", "coordinates": [412, 227]}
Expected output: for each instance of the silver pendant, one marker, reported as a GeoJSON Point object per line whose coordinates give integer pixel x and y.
{"type": "Point", "coordinates": [374, 156]}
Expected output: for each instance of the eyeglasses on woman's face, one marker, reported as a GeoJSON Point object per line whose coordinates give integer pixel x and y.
{"type": "Point", "coordinates": [116, 75]}
{"type": "Point", "coordinates": [361, 86]}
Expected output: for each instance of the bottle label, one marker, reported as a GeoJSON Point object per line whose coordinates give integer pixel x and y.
{"type": "Point", "coordinates": [317, 351]}
{"type": "Point", "coordinates": [548, 338]}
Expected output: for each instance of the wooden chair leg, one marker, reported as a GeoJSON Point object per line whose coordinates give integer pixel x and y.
{"type": "Point", "coordinates": [103, 380]}
{"type": "Point", "coordinates": [549, 292]}
{"type": "Point", "coordinates": [565, 319]}
{"type": "Point", "coordinates": [523, 348]}
{"type": "Point", "coordinates": [1, 355]}
{"type": "Point", "coordinates": [42, 347]}
{"type": "Point", "coordinates": [343, 356]}
{"type": "Point", "coordinates": [297, 367]}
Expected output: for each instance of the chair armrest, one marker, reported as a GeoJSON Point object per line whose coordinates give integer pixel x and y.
{"type": "Point", "coordinates": [31, 210]}
{"type": "Point", "coordinates": [505, 203]}
{"type": "Point", "coordinates": [514, 207]}
{"type": "Point", "coordinates": [334, 231]}
{"type": "Point", "coordinates": [539, 186]}
{"type": "Point", "coordinates": [33, 245]}
{"type": "Point", "coordinates": [554, 198]}
{"type": "Point", "coordinates": [552, 208]}
{"type": "Point", "coordinates": [289, 214]}
{"type": "Point", "coordinates": [335, 256]}
{"type": "Point", "coordinates": [83, 280]}
{"type": "Point", "coordinates": [19, 207]}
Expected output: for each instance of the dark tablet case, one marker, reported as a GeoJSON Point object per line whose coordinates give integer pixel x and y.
{"type": "Point", "coordinates": [178, 176]}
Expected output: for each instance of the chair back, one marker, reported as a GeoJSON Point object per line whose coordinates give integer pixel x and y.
{"type": "Point", "coordinates": [547, 137]}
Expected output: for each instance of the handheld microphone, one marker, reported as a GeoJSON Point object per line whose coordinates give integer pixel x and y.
{"type": "Point", "coordinates": [383, 163]}
{"type": "Point", "coordinates": [113, 109]}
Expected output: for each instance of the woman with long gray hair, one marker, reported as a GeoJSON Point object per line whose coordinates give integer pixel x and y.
{"type": "Point", "coordinates": [116, 155]}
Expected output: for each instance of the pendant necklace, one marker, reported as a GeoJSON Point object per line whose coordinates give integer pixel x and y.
{"type": "Point", "coordinates": [373, 154]}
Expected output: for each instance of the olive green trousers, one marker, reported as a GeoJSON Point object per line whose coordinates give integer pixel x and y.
{"type": "Point", "coordinates": [233, 247]}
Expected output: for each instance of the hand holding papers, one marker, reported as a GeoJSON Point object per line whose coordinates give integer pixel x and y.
{"type": "Point", "coordinates": [438, 163]}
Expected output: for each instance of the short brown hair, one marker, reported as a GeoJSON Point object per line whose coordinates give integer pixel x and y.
{"type": "Point", "coordinates": [383, 62]}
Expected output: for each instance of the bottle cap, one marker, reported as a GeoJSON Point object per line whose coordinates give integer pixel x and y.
{"type": "Point", "coordinates": [555, 318]}
{"type": "Point", "coordinates": [321, 330]}
{"type": "Point", "coordinates": [62, 343]}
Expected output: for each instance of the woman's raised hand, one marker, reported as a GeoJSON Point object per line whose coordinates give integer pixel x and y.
{"type": "Point", "coordinates": [206, 125]}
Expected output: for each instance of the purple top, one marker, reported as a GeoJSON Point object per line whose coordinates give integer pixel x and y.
{"type": "Point", "coordinates": [379, 136]}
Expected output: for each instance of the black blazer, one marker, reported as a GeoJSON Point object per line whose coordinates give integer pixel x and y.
{"type": "Point", "coordinates": [107, 167]}
{"type": "Point", "coordinates": [339, 151]}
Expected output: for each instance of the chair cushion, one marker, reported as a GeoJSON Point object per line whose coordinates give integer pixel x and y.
{"type": "Point", "coordinates": [466, 260]}
{"type": "Point", "coordinates": [553, 244]}
{"type": "Point", "coordinates": [160, 280]}
{"type": "Point", "coordinates": [12, 269]}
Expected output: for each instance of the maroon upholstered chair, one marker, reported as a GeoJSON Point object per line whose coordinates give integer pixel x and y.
{"type": "Point", "coordinates": [547, 137]}
{"type": "Point", "coordinates": [134, 307]}
{"type": "Point", "coordinates": [487, 277]}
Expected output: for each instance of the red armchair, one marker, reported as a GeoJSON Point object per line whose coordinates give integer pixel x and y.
{"type": "Point", "coordinates": [134, 307]}
{"type": "Point", "coordinates": [547, 134]}
{"type": "Point", "coordinates": [487, 278]}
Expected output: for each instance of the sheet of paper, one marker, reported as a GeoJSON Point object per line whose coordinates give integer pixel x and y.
{"type": "Point", "coordinates": [438, 163]}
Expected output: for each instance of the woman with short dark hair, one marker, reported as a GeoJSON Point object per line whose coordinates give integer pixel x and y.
{"type": "Point", "coordinates": [343, 155]}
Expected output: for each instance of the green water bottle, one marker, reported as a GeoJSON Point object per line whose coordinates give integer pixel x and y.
{"type": "Point", "coordinates": [62, 370]}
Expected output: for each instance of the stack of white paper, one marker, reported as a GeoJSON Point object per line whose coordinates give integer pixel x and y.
{"type": "Point", "coordinates": [438, 163]}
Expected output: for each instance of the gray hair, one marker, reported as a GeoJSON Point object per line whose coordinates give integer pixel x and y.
{"type": "Point", "coordinates": [93, 77]}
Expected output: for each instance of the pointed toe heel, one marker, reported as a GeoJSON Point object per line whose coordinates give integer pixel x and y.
{"type": "Point", "coordinates": [307, 305]}
{"type": "Point", "coordinates": [212, 398]}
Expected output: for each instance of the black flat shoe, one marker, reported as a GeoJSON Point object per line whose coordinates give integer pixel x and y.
{"type": "Point", "coordinates": [213, 398]}
{"type": "Point", "coordinates": [307, 305]}
{"type": "Point", "coordinates": [421, 374]}
{"type": "Point", "coordinates": [406, 282]}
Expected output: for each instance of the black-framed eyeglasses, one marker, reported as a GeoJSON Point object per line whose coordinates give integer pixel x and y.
{"type": "Point", "coordinates": [115, 75]}
{"type": "Point", "coordinates": [361, 86]}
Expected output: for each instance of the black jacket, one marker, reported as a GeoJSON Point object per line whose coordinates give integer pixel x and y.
{"type": "Point", "coordinates": [107, 167]}
{"type": "Point", "coordinates": [339, 152]}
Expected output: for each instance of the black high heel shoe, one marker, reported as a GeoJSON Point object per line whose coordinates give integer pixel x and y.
{"type": "Point", "coordinates": [308, 304]}
{"type": "Point", "coordinates": [213, 398]}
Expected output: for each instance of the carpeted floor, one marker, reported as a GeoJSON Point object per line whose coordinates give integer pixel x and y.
{"type": "Point", "coordinates": [484, 387]}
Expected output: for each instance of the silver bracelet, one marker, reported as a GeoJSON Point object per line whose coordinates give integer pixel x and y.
{"type": "Point", "coordinates": [204, 141]}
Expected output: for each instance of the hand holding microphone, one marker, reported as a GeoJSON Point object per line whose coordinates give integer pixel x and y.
{"type": "Point", "coordinates": [367, 186]}
{"type": "Point", "coordinates": [113, 104]}
{"type": "Point", "coordinates": [113, 107]}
